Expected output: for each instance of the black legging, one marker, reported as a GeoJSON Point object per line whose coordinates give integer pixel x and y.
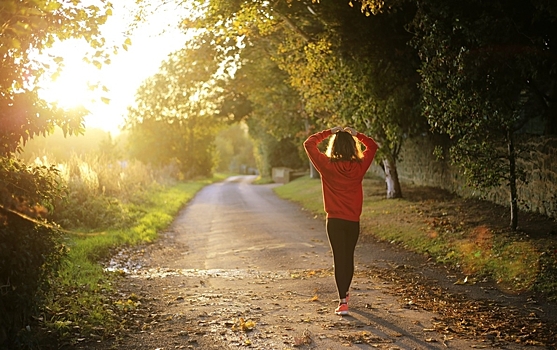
{"type": "Point", "coordinates": [343, 236]}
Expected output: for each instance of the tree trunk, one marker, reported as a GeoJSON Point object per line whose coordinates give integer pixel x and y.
{"type": "Point", "coordinates": [391, 178]}
{"type": "Point", "coordinates": [512, 182]}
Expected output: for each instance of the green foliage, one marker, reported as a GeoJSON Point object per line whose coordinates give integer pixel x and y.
{"type": "Point", "coordinates": [284, 153]}
{"type": "Point", "coordinates": [486, 73]}
{"type": "Point", "coordinates": [27, 29]}
{"type": "Point", "coordinates": [234, 149]}
{"type": "Point", "coordinates": [30, 254]}
{"type": "Point", "coordinates": [175, 120]}
{"type": "Point", "coordinates": [28, 189]}
{"type": "Point", "coordinates": [369, 7]}
{"type": "Point", "coordinates": [272, 152]}
{"type": "Point", "coordinates": [274, 114]}
{"type": "Point", "coordinates": [275, 105]}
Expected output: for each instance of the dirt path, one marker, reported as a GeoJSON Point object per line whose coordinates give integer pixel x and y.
{"type": "Point", "coordinates": [241, 268]}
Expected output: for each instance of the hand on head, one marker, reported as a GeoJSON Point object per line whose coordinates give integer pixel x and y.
{"type": "Point", "coordinates": [352, 131]}
{"type": "Point", "coordinates": [336, 129]}
{"type": "Point", "coordinates": [347, 129]}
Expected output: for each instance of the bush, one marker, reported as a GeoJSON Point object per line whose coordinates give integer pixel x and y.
{"type": "Point", "coordinates": [29, 251]}
{"type": "Point", "coordinates": [29, 256]}
{"type": "Point", "coordinates": [92, 194]}
{"type": "Point", "coordinates": [99, 191]}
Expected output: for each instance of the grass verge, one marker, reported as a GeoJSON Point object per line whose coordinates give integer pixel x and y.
{"type": "Point", "coordinates": [82, 304]}
{"type": "Point", "coordinates": [262, 180]}
{"type": "Point", "coordinates": [469, 235]}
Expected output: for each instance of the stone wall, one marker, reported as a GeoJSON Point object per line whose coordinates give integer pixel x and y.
{"type": "Point", "coordinates": [419, 166]}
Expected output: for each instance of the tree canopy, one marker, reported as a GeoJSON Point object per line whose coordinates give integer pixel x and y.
{"type": "Point", "coordinates": [174, 120]}
{"type": "Point", "coordinates": [480, 73]}
{"type": "Point", "coordinates": [488, 71]}
{"type": "Point", "coordinates": [342, 68]}
{"type": "Point", "coordinates": [28, 28]}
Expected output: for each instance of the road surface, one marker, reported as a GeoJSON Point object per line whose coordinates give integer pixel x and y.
{"type": "Point", "coordinates": [241, 268]}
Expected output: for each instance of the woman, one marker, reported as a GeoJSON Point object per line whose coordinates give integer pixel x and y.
{"type": "Point", "coordinates": [342, 171]}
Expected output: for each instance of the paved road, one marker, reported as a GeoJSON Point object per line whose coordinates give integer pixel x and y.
{"type": "Point", "coordinates": [234, 224]}
{"type": "Point", "coordinates": [242, 268]}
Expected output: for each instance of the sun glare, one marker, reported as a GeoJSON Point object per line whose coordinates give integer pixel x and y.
{"type": "Point", "coordinates": [72, 87]}
{"type": "Point", "coordinates": [151, 42]}
{"type": "Point", "coordinates": [68, 91]}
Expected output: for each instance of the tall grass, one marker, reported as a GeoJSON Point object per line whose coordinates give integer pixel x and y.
{"type": "Point", "coordinates": [102, 192]}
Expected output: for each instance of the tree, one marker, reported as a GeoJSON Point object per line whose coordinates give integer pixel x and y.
{"type": "Point", "coordinates": [273, 120]}
{"type": "Point", "coordinates": [175, 117]}
{"type": "Point", "coordinates": [29, 252]}
{"type": "Point", "coordinates": [345, 67]}
{"type": "Point", "coordinates": [235, 149]}
{"type": "Point", "coordinates": [360, 71]}
{"type": "Point", "coordinates": [488, 69]}
{"type": "Point", "coordinates": [27, 29]}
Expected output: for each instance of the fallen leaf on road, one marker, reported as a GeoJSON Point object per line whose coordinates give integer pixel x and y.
{"type": "Point", "coordinates": [243, 325]}
{"type": "Point", "coordinates": [304, 339]}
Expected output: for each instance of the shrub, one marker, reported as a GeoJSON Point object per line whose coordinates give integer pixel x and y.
{"type": "Point", "coordinates": [29, 250]}
{"type": "Point", "coordinates": [29, 256]}
{"type": "Point", "coordinates": [99, 190]}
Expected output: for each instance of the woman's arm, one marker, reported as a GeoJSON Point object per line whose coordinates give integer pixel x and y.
{"type": "Point", "coordinates": [317, 158]}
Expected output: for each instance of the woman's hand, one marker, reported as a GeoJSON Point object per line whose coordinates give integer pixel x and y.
{"type": "Point", "coordinates": [352, 131]}
{"type": "Point", "coordinates": [336, 129]}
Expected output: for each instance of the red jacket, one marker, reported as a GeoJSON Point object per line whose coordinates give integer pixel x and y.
{"type": "Point", "coordinates": [341, 181]}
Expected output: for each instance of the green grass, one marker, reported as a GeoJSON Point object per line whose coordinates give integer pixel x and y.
{"type": "Point", "coordinates": [81, 299]}
{"type": "Point", "coordinates": [263, 180]}
{"type": "Point", "coordinates": [306, 192]}
{"type": "Point", "coordinates": [424, 225]}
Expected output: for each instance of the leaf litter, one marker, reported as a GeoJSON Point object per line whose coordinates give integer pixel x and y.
{"type": "Point", "coordinates": [487, 320]}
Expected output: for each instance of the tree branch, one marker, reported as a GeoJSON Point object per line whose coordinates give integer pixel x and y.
{"type": "Point", "coordinates": [294, 27]}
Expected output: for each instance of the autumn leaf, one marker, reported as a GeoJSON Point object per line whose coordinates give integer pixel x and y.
{"type": "Point", "coordinates": [243, 325]}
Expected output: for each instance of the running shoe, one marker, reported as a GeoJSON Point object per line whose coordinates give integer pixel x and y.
{"type": "Point", "coordinates": [342, 309]}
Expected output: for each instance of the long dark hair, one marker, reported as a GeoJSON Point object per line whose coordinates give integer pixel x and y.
{"type": "Point", "coordinates": [344, 146]}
